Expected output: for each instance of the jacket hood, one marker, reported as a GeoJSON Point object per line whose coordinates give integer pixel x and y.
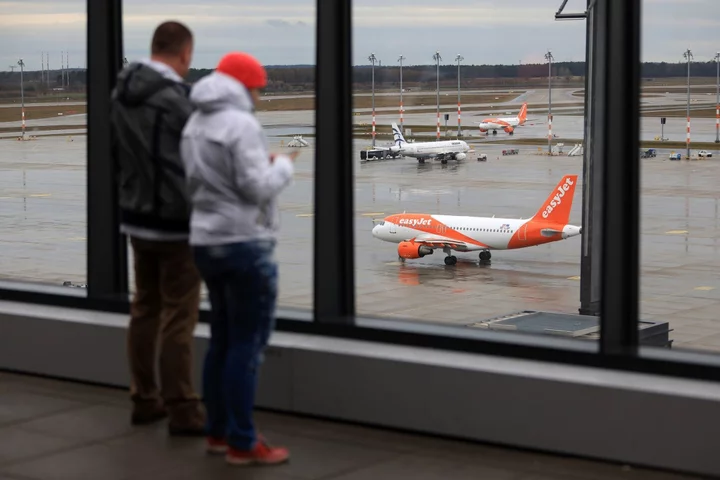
{"type": "Point", "coordinates": [218, 91]}
{"type": "Point", "coordinates": [138, 82]}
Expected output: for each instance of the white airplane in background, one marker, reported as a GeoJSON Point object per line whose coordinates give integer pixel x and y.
{"type": "Point", "coordinates": [443, 151]}
{"type": "Point", "coordinates": [508, 124]}
{"type": "Point", "coordinates": [418, 235]}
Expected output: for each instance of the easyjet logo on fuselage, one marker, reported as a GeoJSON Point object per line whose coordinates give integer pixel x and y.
{"type": "Point", "coordinates": [415, 222]}
{"type": "Point", "coordinates": [557, 199]}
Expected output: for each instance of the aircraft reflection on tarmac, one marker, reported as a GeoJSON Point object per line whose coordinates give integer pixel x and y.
{"type": "Point", "coordinates": [467, 276]}
{"type": "Point", "coordinates": [417, 274]}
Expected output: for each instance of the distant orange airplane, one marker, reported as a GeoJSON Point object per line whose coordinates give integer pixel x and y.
{"type": "Point", "coordinates": [508, 124]}
{"type": "Point", "coordinates": [418, 235]}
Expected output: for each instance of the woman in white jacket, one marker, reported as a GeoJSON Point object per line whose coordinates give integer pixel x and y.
{"type": "Point", "coordinates": [233, 184]}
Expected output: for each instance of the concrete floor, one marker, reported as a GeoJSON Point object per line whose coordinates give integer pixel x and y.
{"type": "Point", "coordinates": [53, 430]}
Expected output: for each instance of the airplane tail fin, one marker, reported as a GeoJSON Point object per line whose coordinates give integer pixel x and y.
{"type": "Point", "coordinates": [558, 205]}
{"type": "Point", "coordinates": [398, 138]}
{"type": "Point", "coordinates": [522, 116]}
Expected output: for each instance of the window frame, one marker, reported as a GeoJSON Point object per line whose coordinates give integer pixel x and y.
{"type": "Point", "coordinates": [616, 80]}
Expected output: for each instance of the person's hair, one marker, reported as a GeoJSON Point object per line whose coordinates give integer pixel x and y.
{"type": "Point", "coordinates": [170, 38]}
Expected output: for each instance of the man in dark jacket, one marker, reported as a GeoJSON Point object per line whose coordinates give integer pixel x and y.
{"type": "Point", "coordinates": [150, 106]}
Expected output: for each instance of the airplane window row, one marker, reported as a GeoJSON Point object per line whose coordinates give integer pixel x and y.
{"type": "Point", "coordinates": [484, 230]}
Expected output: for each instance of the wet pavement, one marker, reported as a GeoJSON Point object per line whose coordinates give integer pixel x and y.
{"type": "Point", "coordinates": [43, 213]}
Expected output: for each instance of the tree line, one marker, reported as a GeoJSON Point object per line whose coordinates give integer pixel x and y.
{"type": "Point", "coordinates": [292, 78]}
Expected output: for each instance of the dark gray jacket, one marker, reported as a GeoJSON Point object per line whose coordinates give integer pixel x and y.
{"type": "Point", "coordinates": [148, 113]}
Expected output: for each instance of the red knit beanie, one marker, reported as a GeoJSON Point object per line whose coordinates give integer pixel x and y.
{"type": "Point", "coordinates": [244, 68]}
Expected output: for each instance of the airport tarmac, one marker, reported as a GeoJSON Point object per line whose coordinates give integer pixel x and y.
{"type": "Point", "coordinates": [43, 211]}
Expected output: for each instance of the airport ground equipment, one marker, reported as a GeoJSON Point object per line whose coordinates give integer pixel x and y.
{"type": "Point", "coordinates": [482, 157]}
{"type": "Point", "coordinates": [649, 153]}
{"type": "Point", "coordinates": [580, 327]}
{"type": "Point", "coordinates": [675, 156]}
{"type": "Point", "coordinates": [298, 142]}
{"type": "Point", "coordinates": [379, 154]}
{"type": "Point", "coordinates": [704, 154]}
{"type": "Point", "coordinates": [512, 151]}
{"type": "Point", "coordinates": [577, 151]}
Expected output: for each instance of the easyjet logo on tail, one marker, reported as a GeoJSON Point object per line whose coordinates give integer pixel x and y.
{"type": "Point", "coordinates": [557, 199]}
{"type": "Point", "coordinates": [559, 203]}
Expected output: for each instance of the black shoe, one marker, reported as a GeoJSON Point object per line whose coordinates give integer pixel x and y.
{"type": "Point", "coordinates": [146, 414]}
{"type": "Point", "coordinates": [187, 430]}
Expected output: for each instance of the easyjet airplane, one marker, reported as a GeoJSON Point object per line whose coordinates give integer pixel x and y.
{"type": "Point", "coordinates": [418, 235]}
{"type": "Point", "coordinates": [508, 124]}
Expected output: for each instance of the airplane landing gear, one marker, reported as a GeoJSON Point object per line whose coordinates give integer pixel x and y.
{"type": "Point", "coordinates": [450, 259]}
{"type": "Point", "coordinates": [444, 161]}
{"type": "Point", "coordinates": [494, 132]}
{"type": "Point", "coordinates": [485, 256]}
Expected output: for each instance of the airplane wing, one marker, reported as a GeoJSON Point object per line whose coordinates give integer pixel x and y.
{"type": "Point", "coordinates": [439, 241]}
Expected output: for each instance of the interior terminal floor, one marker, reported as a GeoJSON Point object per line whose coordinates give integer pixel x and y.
{"type": "Point", "coordinates": [54, 430]}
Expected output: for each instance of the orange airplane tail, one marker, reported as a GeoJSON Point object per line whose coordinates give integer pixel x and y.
{"type": "Point", "coordinates": [558, 205]}
{"type": "Point", "coordinates": [522, 116]}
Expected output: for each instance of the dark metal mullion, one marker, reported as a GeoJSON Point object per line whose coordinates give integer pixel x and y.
{"type": "Point", "coordinates": [334, 270]}
{"type": "Point", "coordinates": [106, 248]}
{"type": "Point", "coordinates": [619, 63]}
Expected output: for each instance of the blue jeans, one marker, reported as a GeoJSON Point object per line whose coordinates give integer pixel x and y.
{"type": "Point", "coordinates": [242, 282]}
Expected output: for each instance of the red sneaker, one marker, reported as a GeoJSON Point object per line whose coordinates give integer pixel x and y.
{"type": "Point", "coordinates": [216, 446]}
{"type": "Point", "coordinates": [262, 454]}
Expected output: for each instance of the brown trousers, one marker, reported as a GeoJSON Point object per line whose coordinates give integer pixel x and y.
{"type": "Point", "coordinates": [164, 313]}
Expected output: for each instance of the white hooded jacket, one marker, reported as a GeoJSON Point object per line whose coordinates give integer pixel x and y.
{"type": "Point", "coordinates": [231, 182]}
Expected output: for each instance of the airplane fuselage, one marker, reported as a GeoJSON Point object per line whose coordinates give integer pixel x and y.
{"type": "Point", "coordinates": [433, 149]}
{"type": "Point", "coordinates": [472, 233]}
{"type": "Point", "coordinates": [420, 234]}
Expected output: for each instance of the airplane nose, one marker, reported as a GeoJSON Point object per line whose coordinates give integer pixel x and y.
{"type": "Point", "coordinates": [375, 230]}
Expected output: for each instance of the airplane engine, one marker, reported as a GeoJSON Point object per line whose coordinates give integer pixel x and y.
{"type": "Point", "coordinates": [460, 156]}
{"type": "Point", "coordinates": [413, 250]}
{"type": "Point", "coordinates": [509, 130]}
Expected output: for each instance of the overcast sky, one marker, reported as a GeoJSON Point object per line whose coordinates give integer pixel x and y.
{"type": "Point", "coordinates": [282, 31]}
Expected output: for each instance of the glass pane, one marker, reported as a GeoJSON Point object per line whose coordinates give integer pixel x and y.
{"type": "Point", "coordinates": [680, 143]}
{"type": "Point", "coordinates": [469, 207]}
{"type": "Point", "coordinates": [283, 40]}
{"type": "Point", "coordinates": [43, 142]}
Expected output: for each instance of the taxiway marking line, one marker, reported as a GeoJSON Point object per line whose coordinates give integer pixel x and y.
{"type": "Point", "coordinates": [675, 232]}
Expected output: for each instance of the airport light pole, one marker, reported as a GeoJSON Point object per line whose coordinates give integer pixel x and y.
{"type": "Point", "coordinates": [717, 100]}
{"type": "Point", "coordinates": [22, 95]}
{"type": "Point", "coordinates": [401, 93]}
{"type": "Point", "coordinates": [549, 57]}
{"type": "Point", "coordinates": [688, 56]}
{"type": "Point", "coordinates": [459, 58]}
{"type": "Point", "coordinates": [373, 59]}
{"type": "Point", "coordinates": [437, 59]}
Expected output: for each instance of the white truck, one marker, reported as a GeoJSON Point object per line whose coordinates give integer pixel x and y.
{"type": "Point", "coordinates": [704, 154]}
